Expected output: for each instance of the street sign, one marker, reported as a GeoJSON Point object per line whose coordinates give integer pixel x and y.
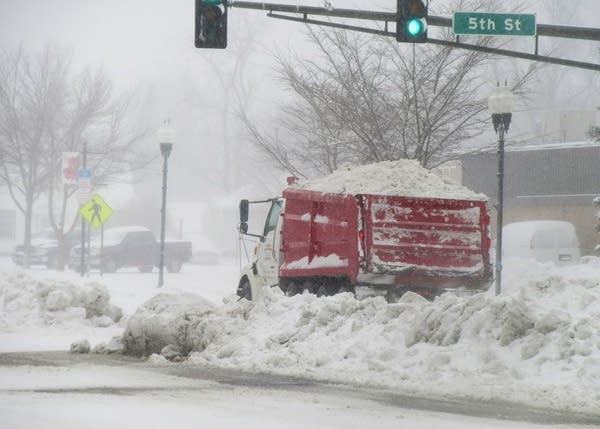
{"type": "Point", "coordinates": [96, 211]}
{"type": "Point", "coordinates": [84, 185]}
{"type": "Point", "coordinates": [494, 24]}
{"type": "Point", "coordinates": [85, 172]}
{"type": "Point", "coordinates": [84, 194]}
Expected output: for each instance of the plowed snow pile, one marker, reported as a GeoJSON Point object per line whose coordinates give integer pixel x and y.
{"type": "Point", "coordinates": [25, 301]}
{"type": "Point", "coordinates": [538, 343]}
{"type": "Point", "coordinates": [163, 320]}
{"type": "Point", "coordinates": [402, 177]}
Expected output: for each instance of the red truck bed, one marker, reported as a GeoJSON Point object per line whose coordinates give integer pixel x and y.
{"type": "Point", "coordinates": [426, 241]}
{"type": "Point", "coordinates": [421, 241]}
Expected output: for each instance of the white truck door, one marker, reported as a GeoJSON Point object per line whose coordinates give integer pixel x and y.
{"type": "Point", "coordinates": [268, 249]}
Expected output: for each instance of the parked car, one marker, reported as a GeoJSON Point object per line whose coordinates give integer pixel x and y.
{"type": "Point", "coordinates": [45, 248]}
{"type": "Point", "coordinates": [132, 246]}
{"type": "Point", "coordinates": [544, 241]}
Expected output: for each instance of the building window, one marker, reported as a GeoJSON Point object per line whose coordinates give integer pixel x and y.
{"type": "Point", "coordinates": [8, 224]}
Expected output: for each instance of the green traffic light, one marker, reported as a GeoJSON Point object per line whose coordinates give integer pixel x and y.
{"type": "Point", "coordinates": [415, 27]}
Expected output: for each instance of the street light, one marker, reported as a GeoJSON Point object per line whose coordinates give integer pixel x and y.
{"type": "Point", "coordinates": [166, 136]}
{"type": "Point", "coordinates": [501, 104]}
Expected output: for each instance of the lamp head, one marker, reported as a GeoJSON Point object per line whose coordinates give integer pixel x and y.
{"type": "Point", "coordinates": [501, 101]}
{"type": "Point", "coordinates": [166, 137]}
{"type": "Point", "coordinates": [165, 149]}
{"type": "Point", "coordinates": [501, 105]}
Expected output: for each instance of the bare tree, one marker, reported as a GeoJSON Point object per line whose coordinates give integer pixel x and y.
{"type": "Point", "coordinates": [47, 109]}
{"type": "Point", "coordinates": [29, 93]}
{"type": "Point", "coordinates": [594, 133]}
{"type": "Point", "coordinates": [227, 84]}
{"type": "Point", "coordinates": [367, 99]}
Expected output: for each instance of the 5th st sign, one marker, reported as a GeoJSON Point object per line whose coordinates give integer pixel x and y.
{"type": "Point", "coordinates": [493, 24]}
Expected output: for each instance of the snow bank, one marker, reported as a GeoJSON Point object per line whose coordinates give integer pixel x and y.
{"type": "Point", "coordinates": [25, 301]}
{"type": "Point", "coordinates": [165, 320]}
{"type": "Point", "coordinates": [402, 177]}
{"type": "Point", "coordinates": [538, 343]}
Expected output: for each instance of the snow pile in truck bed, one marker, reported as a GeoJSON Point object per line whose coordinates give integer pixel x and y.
{"type": "Point", "coordinates": [538, 343]}
{"type": "Point", "coordinates": [25, 301]}
{"type": "Point", "coordinates": [403, 177]}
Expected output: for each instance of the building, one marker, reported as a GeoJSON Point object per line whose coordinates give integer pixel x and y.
{"type": "Point", "coordinates": [543, 182]}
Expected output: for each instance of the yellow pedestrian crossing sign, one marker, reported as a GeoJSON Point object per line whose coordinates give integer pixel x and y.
{"type": "Point", "coordinates": [96, 211]}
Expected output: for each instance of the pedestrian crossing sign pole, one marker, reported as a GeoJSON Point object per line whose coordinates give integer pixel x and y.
{"type": "Point", "coordinates": [96, 211]}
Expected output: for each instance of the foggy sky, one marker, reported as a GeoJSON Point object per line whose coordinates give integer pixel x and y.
{"type": "Point", "coordinates": [148, 45]}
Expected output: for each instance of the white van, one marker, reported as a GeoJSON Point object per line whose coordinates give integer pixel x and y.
{"type": "Point", "coordinates": [544, 241]}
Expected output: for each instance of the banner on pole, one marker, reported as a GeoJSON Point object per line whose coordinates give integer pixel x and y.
{"type": "Point", "coordinates": [70, 168]}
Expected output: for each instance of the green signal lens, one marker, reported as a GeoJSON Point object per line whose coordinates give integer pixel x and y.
{"type": "Point", "coordinates": [415, 27]}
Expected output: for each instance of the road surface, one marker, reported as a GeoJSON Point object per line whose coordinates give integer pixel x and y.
{"type": "Point", "coordinates": [59, 389]}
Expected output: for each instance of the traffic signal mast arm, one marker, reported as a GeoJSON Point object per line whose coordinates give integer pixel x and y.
{"type": "Point", "coordinates": [561, 31]}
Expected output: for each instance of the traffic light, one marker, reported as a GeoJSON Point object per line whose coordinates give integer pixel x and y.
{"type": "Point", "coordinates": [411, 24]}
{"type": "Point", "coordinates": [211, 24]}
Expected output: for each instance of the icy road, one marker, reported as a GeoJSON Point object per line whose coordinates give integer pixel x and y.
{"type": "Point", "coordinates": [62, 390]}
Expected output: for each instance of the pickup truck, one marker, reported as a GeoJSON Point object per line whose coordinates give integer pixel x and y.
{"type": "Point", "coordinates": [132, 246]}
{"type": "Point", "coordinates": [370, 244]}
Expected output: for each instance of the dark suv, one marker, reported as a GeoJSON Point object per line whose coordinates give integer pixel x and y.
{"type": "Point", "coordinates": [44, 248]}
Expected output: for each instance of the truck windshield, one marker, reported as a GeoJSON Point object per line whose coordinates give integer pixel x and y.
{"type": "Point", "coordinates": [273, 216]}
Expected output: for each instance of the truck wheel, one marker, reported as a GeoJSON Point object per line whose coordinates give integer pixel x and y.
{"type": "Point", "coordinates": [394, 294]}
{"type": "Point", "coordinates": [244, 290]}
{"type": "Point", "coordinates": [174, 266]}
{"type": "Point", "coordinates": [145, 269]}
{"type": "Point", "coordinates": [109, 265]}
{"type": "Point", "coordinates": [293, 289]}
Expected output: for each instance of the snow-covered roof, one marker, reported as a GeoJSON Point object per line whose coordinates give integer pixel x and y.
{"type": "Point", "coordinates": [553, 146]}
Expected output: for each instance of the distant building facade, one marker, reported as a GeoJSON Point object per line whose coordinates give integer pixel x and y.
{"type": "Point", "coordinates": [547, 182]}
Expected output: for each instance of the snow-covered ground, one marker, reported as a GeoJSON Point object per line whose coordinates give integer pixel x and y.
{"type": "Point", "coordinates": [538, 343]}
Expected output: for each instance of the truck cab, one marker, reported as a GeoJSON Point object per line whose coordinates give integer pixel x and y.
{"type": "Point", "coordinates": [263, 268]}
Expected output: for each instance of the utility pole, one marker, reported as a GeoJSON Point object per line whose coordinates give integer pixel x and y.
{"type": "Point", "coordinates": [82, 265]}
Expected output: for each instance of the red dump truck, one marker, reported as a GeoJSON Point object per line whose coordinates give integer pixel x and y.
{"type": "Point", "coordinates": [369, 245]}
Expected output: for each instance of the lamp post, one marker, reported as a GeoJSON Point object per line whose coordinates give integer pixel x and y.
{"type": "Point", "coordinates": [166, 136]}
{"type": "Point", "coordinates": [501, 104]}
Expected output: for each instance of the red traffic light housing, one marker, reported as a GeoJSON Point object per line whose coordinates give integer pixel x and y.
{"type": "Point", "coordinates": [210, 29]}
{"type": "Point", "coordinates": [411, 21]}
